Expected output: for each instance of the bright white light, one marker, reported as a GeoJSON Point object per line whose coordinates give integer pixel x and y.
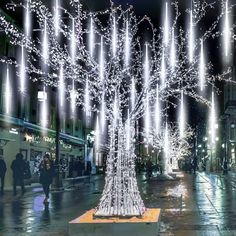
{"type": "Point", "coordinates": [27, 20]}
{"type": "Point", "coordinates": [45, 42]}
{"type": "Point", "coordinates": [91, 38]}
{"type": "Point", "coordinates": [97, 140]}
{"type": "Point", "coordinates": [73, 42]}
{"type": "Point", "coordinates": [115, 109]}
{"type": "Point", "coordinates": [182, 116]}
{"type": "Point", "coordinates": [226, 31]}
{"type": "Point", "coordinates": [166, 26]}
{"type": "Point", "coordinates": [114, 37]}
{"type": "Point", "coordinates": [166, 149]}
{"type": "Point", "coordinates": [191, 38]}
{"type": "Point", "coordinates": [157, 111]}
{"type": "Point", "coordinates": [172, 51]}
{"type": "Point", "coordinates": [42, 95]}
{"type": "Point", "coordinates": [202, 68]}
{"type": "Point", "coordinates": [73, 98]}
{"type": "Point", "coordinates": [128, 137]}
{"type": "Point", "coordinates": [127, 44]}
{"type": "Point", "coordinates": [8, 94]}
{"type": "Point", "coordinates": [103, 112]}
{"type": "Point", "coordinates": [44, 114]}
{"type": "Point", "coordinates": [133, 93]}
{"type": "Point", "coordinates": [22, 71]}
{"type": "Point", "coordinates": [146, 66]}
{"type": "Point", "coordinates": [87, 99]}
{"type": "Point", "coordinates": [212, 120]}
{"type": "Point", "coordinates": [56, 18]}
{"type": "Point", "coordinates": [101, 62]}
{"type": "Point", "coordinates": [61, 86]}
{"type": "Point", "coordinates": [147, 117]}
{"type": "Point", "coordinates": [163, 69]}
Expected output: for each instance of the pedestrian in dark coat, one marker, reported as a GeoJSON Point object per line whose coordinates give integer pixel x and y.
{"type": "Point", "coordinates": [194, 164]}
{"type": "Point", "coordinates": [3, 169]}
{"type": "Point", "coordinates": [89, 168]}
{"type": "Point", "coordinates": [46, 175]}
{"type": "Point", "coordinates": [18, 168]}
{"type": "Point", "coordinates": [225, 166]}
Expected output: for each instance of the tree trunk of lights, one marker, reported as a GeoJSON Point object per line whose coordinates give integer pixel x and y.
{"type": "Point", "coordinates": [120, 195]}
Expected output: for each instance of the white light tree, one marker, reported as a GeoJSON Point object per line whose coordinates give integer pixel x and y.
{"type": "Point", "coordinates": [172, 146]}
{"type": "Point", "coordinates": [98, 62]}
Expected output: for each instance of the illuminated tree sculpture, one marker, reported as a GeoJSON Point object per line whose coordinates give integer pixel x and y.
{"type": "Point", "coordinates": [98, 61]}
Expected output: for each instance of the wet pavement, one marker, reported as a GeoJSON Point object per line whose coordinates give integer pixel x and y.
{"type": "Point", "coordinates": [201, 204]}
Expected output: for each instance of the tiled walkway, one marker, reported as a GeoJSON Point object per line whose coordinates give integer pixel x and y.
{"type": "Point", "coordinates": [201, 204]}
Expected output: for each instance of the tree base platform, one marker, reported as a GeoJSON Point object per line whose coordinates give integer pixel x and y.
{"type": "Point", "coordinates": [87, 225]}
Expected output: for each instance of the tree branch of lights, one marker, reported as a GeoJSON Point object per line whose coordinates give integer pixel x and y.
{"type": "Point", "coordinates": [104, 68]}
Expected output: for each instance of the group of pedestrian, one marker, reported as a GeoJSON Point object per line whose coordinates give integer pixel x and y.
{"type": "Point", "coordinates": [21, 171]}
{"type": "Point", "coordinates": [76, 167]}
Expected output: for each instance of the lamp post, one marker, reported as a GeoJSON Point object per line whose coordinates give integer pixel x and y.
{"type": "Point", "coordinates": [57, 185]}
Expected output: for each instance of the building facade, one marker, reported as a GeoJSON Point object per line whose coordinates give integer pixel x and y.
{"type": "Point", "coordinates": [21, 128]}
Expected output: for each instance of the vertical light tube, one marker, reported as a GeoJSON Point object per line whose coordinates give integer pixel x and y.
{"type": "Point", "coordinates": [191, 38]}
{"type": "Point", "coordinates": [91, 38]}
{"type": "Point", "coordinates": [212, 120]}
{"type": "Point", "coordinates": [226, 31]}
{"type": "Point", "coordinates": [202, 68]}
{"type": "Point", "coordinates": [8, 94]}
{"type": "Point", "coordinates": [128, 137]}
{"type": "Point", "coordinates": [56, 18]}
{"type": "Point", "coordinates": [22, 71]}
{"type": "Point", "coordinates": [61, 87]}
{"type": "Point", "coordinates": [157, 112]}
{"type": "Point", "coordinates": [163, 70]}
{"type": "Point", "coordinates": [133, 93]}
{"type": "Point", "coordinates": [127, 44]}
{"type": "Point", "coordinates": [166, 149]}
{"type": "Point", "coordinates": [73, 98]}
{"type": "Point", "coordinates": [101, 61]}
{"type": "Point", "coordinates": [173, 52]}
{"type": "Point", "coordinates": [45, 42]}
{"type": "Point", "coordinates": [44, 112]}
{"type": "Point", "coordinates": [166, 26]}
{"type": "Point", "coordinates": [27, 20]}
{"type": "Point", "coordinates": [114, 37]}
{"type": "Point", "coordinates": [146, 67]}
{"type": "Point", "coordinates": [182, 116]}
{"type": "Point", "coordinates": [87, 99]}
{"type": "Point", "coordinates": [73, 42]}
{"type": "Point", "coordinates": [97, 141]}
{"type": "Point", "coordinates": [103, 112]}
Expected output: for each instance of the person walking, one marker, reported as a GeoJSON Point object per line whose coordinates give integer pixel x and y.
{"type": "Point", "coordinates": [46, 175]}
{"type": "Point", "coordinates": [18, 168]}
{"type": "Point", "coordinates": [225, 166]}
{"type": "Point", "coordinates": [194, 164]}
{"type": "Point", "coordinates": [3, 169]}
